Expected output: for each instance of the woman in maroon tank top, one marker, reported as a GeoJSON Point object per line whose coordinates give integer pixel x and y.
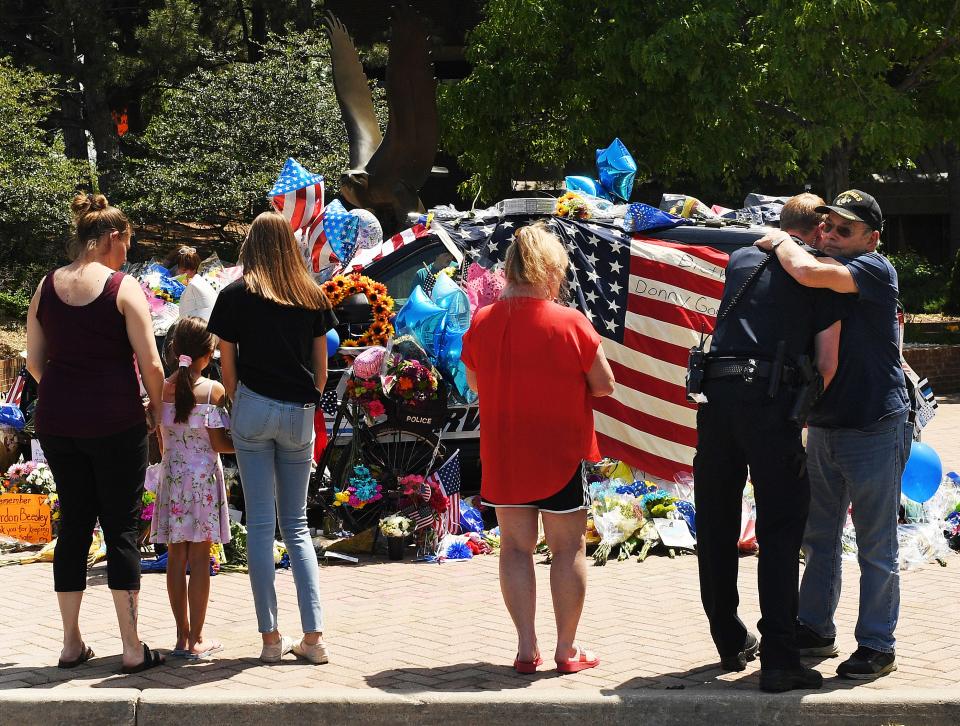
{"type": "Point", "coordinates": [85, 325]}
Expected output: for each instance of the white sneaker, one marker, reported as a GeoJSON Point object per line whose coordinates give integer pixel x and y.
{"type": "Point", "coordinates": [316, 654]}
{"type": "Point", "coordinates": [273, 652]}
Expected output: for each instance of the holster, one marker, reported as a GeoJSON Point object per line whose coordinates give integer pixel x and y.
{"type": "Point", "coordinates": [808, 391]}
{"type": "Point", "coordinates": [696, 368]}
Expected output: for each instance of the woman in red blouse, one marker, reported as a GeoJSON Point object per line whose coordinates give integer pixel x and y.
{"type": "Point", "coordinates": [535, 365]}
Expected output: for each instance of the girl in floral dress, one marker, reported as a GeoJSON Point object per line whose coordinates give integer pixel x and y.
{"type": "Point", "coordinates": [191, 506]}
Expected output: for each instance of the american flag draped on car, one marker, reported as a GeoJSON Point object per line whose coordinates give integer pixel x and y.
{"type": "Point", "coordinates": [649, 300]}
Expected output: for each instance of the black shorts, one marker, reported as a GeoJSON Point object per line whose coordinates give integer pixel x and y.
{"type": "Point", "coordinates": [574, 496]}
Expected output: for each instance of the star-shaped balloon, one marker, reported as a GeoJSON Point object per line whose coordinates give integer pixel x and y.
{"type": "Point", "coordinates": [617, 169]}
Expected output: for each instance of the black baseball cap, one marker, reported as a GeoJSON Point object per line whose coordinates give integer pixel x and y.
{"type": "Point", "coordinates": [856, 206]}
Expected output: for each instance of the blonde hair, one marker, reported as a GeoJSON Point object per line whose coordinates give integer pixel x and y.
{"type": "Point", "coordinates": [273, 267]}
{"type": "Point", "coordinates": [536, 257]}
{"type": "Point", "coordinates": [92, 218]}
{"type": "Point", "coordinates": [799, 213]}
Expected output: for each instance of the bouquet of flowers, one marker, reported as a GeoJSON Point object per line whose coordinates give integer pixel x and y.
{"type": "Point", "coordinates": [362, 490]}
{"type": "Point", "coordinates": [29, 477]}
{"type": "Point", "coordinates": [396, 525]}
{"type": "Point", "coordinates": [148, 503]}
{"type": "Point", "coordinates": [616, 516]}
{"type": "Point", "coordinates": [367, 394]}
{"type": "Point", "coordinates": [412, 382]}
{"type": "Point", "coordinates": [572, 205]}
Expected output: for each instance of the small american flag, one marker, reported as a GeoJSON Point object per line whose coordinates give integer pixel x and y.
{"type": "Point", "coordinates": [329, 403]}
{"type": "Point", "coordinates": [16, 390]}
{"type": "Point", "coordinates": [423, 516]}
{"type": "Point", "coordinates": [448, 478]}
{"type": "Point", "coordinates": [297, 195]}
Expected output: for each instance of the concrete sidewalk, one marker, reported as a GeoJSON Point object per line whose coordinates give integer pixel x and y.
{"type": "Point", "coordinates": [431, 643]}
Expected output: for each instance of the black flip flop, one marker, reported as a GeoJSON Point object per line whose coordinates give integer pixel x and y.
{"type": "Point", "coordinates": [151, 659]}
{"type": "Point", "coordinates": [85, 655]}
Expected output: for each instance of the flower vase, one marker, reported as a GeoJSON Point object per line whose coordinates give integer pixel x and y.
{"type": "Point", "coordinates": [395, 548]}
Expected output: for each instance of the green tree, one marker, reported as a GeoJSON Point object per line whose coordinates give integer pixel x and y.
{"type": "Point", "coordinates": [713, 91]}
{"type": "Point", "coordinates": [220, 139]}
{"type": "Point", "coordinates": [36, 179]}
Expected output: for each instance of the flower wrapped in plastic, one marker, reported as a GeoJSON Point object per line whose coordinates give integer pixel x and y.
{"type": "Point", "coordinates": [616, 516]}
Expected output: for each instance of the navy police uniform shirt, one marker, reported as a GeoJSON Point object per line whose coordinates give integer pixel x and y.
{"type": "Point", "coordinates": [775, 307]}
{"type": "Point", "coordinates": [869, 384]}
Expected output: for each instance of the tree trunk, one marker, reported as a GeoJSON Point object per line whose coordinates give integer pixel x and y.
{"type": "Point", "coordinates": [304, 15]}
{"type": "Point", "coordinates": [836, 170]}
{"type": "Point", "coordinates": [74, 134]}
{"type": "Point", "coordinates": [953, 198]}
{"type": "Point", "coordinates": [258, 28]}
{"type": "Point", "coordinates": [104, 132]}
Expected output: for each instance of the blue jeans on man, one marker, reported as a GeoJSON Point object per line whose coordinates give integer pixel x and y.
{"type": "Point", "coordinates": [862, 467]}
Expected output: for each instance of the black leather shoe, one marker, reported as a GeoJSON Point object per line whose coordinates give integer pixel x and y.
{"type": "Point", "coordinates": [811, 644]}
{"type": "Point", "coordinates": [775, 680]}
{"type": "Point", "coordinates": [739, 661]}
{"type": "Point", "coordinates": [866, 664]}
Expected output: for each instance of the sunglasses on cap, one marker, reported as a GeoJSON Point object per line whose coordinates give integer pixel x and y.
{"type": "Point", "coordinates": [842, 230]}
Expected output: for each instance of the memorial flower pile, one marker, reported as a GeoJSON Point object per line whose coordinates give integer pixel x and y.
{"type": "Point", "coordinates": [30, 477]}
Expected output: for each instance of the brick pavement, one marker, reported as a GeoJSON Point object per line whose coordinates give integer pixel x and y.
{"type": "Point", "coordinates": [406, 627]}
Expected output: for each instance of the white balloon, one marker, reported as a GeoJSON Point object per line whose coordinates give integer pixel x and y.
{"type": "Point", "coordinates": [370, 233]}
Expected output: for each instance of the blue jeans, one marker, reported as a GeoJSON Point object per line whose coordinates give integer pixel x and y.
{"type": "Point", "coordinates": [274, 444]}
{"type": "Point", "coordinates": [862, 467]}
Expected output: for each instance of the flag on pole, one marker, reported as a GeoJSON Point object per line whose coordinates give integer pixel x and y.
{"type": "Point", "coordinates": [448, 479]}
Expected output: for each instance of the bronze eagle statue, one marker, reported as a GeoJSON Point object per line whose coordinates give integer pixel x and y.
{"type": "Point", "coordinates": [387, 172]}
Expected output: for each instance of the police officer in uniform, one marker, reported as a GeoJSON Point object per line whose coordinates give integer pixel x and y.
{"type": "Point", "coordinates": [751, 380]}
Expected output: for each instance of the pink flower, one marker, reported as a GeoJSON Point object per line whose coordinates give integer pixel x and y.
{"type": "Point", "coordinates": [375, 409]}
{"type": "Point", "coordinates": [175, 509]}
{"type": "Point", "coordinates": [147, 514]}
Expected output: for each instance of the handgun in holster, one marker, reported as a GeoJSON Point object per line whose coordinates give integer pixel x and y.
{"type": "Point", "coordinates": [808, 391]}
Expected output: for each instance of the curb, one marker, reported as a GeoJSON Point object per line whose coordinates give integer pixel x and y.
{"type": "Point", "coordinates": [69, 707]}
{"type": "Point", "coordinates": [170, 707]}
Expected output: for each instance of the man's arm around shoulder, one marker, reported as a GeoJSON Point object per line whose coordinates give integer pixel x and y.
{"type": "Point", "coordinates": [809, 271]}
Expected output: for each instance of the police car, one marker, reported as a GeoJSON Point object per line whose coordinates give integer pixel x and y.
{"type": "Point", "coordinates": [398, 271]}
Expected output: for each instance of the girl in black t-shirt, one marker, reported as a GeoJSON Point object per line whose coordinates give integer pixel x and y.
{"type": "Point", "coordinates": [272, 324]}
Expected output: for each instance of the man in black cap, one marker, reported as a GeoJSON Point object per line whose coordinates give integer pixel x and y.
{"type": "Point", "coordinates": [858, 441]}
{"type": "Point", "coordinates": [766, 324]}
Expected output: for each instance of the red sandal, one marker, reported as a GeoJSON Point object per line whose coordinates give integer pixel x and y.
{"type": "Point", "coordinates": [579, 662]}
{"type": "Point", "coordinates": [527, 666]}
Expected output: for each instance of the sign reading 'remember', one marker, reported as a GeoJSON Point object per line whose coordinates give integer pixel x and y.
{"type": "Point", "coordinates": [26, 517]}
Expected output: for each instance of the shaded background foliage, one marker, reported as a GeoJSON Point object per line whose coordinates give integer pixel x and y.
{"type": "Point", "coordinates": [714, 97]}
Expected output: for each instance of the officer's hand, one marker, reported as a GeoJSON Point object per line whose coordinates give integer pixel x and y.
{"type": "Point", "coordinates": [767, 241]}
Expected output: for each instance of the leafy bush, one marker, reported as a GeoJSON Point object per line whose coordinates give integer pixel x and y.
{"type": "Point", "coordinates": [922, 283]}
{"type": "Point", "coordinates": [36, 182]}
{"type": "Point", "coordinates": [220, 139]}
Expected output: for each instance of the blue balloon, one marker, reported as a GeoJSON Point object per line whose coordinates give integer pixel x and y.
{"type": "Point", "coordinates": [448, 295]}
{"type": "Point", "coordinates": [922, 474]}
{"type": "Point", "coordinates": [422, 319]}
{"type": "Point", "coordinates": [585, 185]}
{"type": "Point", "coordinates": [333, 341]}
{"type": "Point", "coordinates": [616, 169]}
{"type": "Point", "coordinates": [448, 360]}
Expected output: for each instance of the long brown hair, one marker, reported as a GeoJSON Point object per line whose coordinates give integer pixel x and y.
{"type": "Point", "coordinates": [190, 337]}
{"type": "Point", "coordinates": [93, 217]}
{"type": "Point", "coordinates": [273, 267]}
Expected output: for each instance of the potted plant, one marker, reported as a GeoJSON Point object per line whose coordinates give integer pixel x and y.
{"type": "Point", "coordinates": [395, 528]}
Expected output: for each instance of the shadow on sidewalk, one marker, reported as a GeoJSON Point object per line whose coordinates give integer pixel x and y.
{"type": "Point", "coordinates": [709, 677]}
{"type": "Point", "coordinates": [475, 676]}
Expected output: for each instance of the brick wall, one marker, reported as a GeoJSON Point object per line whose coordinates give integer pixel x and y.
{"type": "Point", "coordinates": [939, 363]}
{"type": "Point", "coordinates": [9, 368]}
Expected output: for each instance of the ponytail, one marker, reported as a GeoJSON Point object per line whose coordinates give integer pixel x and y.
{"type": "Point", "coordinates": [183, 397]}
{"type": "Point", "coordinates": [190, 340]}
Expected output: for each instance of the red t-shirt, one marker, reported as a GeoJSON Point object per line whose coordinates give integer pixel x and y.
{"type": "Point", "coordinates": [531, 358]}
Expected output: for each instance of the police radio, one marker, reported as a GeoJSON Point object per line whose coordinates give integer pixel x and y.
{"type": "Point", "coordinates": [696, 369]}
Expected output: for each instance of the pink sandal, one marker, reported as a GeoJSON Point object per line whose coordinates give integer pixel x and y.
{"type": "Point", "coordinates": [579, 662]}
{"type": "Point", "coordinates": [527, 666]}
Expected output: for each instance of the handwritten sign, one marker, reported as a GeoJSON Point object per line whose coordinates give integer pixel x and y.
{"type": "Point", "coordinates": [25, 517]}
